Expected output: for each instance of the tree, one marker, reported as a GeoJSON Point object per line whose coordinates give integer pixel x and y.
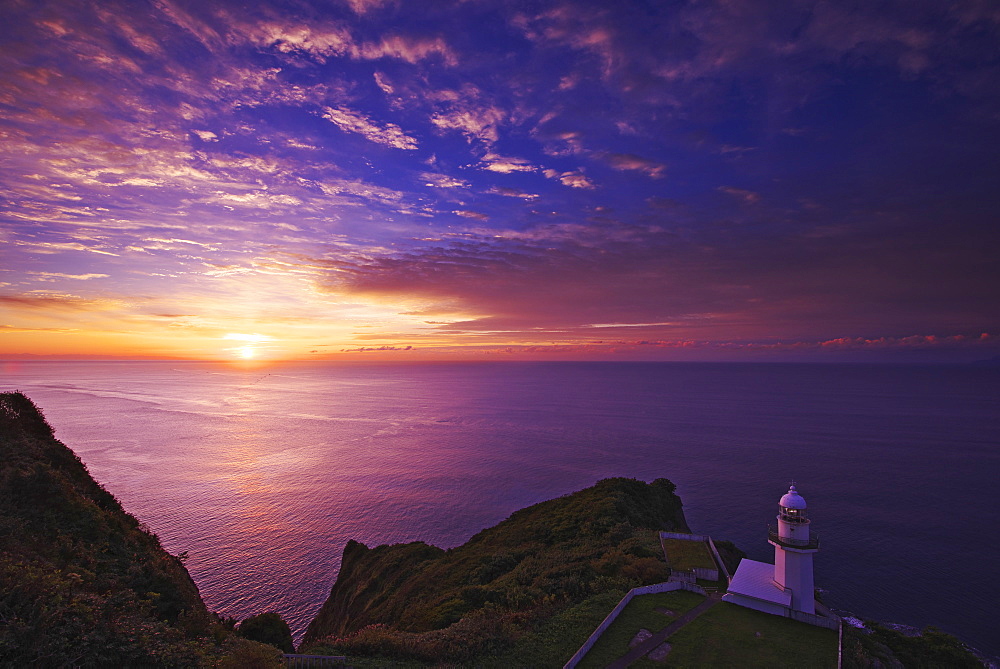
{"type": "Point", "coordinates": [268, 628]}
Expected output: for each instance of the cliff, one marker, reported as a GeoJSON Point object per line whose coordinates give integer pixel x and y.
{"type": "Point", "coordinates": [82, 582]}
{"type": "Point", "coordinates": [506, 584]}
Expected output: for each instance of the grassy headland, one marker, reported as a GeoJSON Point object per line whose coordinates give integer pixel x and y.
{"type": "Point", "coordinates": [478, 602]}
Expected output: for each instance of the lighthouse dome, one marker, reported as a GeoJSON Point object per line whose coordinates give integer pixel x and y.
{"type": "Point", "coordinates": [792, 499]}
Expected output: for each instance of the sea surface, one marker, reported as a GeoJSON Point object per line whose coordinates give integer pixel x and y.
{"type": "Point", "coordinates": [263, 473]}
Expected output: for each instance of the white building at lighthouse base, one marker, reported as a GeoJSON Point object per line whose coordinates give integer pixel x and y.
{"type": "Point", "coordinates": [753, 586]}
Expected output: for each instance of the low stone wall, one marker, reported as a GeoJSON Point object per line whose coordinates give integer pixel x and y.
{"type": "Point", "coordinates": [669, 586]}
{"type": "Point", "coordinates": [684, 536]}
{"type": "Point", "coordinates": [813, 619]}
{"type": "Point", "coordinates": [718, 561]}
{"type": "Point", "coordinates": [298, 661]}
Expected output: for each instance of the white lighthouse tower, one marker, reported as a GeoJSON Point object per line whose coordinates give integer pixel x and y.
{"type": "Point", "coordinates": [784, 588]}
{"type": "Point", "coordinates": [794, 546]}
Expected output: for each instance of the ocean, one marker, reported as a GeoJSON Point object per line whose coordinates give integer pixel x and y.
{"type": "Point", "coordinates": [262, 473]}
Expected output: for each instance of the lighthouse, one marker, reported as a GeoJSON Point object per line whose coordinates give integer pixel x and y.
{"type": "Point", "coordinates": [794, 546]}
{"type": "Point", "coordinates": [784, 588]}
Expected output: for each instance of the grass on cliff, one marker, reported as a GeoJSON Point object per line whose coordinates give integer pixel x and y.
{"type": "Point", "coordinates": [684, 555]}
{"type": "Point", "coordinates": [728, 635]}
{"type": "Point", "coordinates": [643, 612]}
{"type": "Point", "coordinates": [503, 588]}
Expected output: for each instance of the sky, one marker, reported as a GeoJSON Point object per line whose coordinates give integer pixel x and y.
{"type": "Point", "coordinates": [485, 180]}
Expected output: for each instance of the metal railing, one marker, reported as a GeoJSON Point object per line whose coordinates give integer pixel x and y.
{"type": "Point", "coordinates": [811, 542]}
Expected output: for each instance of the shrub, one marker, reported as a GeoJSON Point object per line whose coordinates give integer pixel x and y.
{"type": "Point", "coordinates": [268, 628]}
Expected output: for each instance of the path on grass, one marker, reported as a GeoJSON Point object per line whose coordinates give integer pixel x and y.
{"type": "Point", "coordinates": [652, 642]}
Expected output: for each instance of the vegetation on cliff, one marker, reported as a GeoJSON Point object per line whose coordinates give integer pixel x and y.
{"type": "Point", "coordinates": [508, 586]}
{"type": "Point", "coordinates": [879, 646]}
{"type": "Point", "coordinates": [82, 582]}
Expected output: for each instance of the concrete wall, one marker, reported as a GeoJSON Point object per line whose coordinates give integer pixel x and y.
{"type": "Point", "coordinates": [645, 590]}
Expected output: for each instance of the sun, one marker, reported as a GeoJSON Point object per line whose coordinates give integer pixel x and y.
{"type": "Point", "coordinates": [251, 344]}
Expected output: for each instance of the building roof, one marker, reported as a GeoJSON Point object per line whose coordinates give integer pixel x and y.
{"type": "Point", "coordinates": [792, 499]}
{"type": "Point", "coordinates": [756, 579]}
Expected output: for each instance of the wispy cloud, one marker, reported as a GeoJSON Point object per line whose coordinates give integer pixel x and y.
{"type": "Point", "coordinates": [328, 39]}
{"type": "Point", "coordinates": [634, 163]}
{"type": "Point", "coordinates": [366, 6]}
{"type": "Point", "coordinates": [12, 328]}
{"type": "Point", "coordinates": [465, 213]}
{"type": "Point", "coordinates": [626, 348]}
{"type": "Point", "coordinates": [746, 196]}
{"type": "Point", "coordinates": [369, 349]}
{"type": "Point", "coordinates": [57, 302]}
{"type": "Point", "coordinates": [388, 134]}
{"type": "Point", "coordinates": [506, 164]}
{"type": "Point", "coordinates": [253, 337]}
{"type": "Point", "coordinates": [512, 192]}
{"type": "Point", "coordinates": [409, 49]}
{"type": "Point", "coordinates": [51, 276]}
{"type": "Point", "coordinates": [319, 41]}
{"type": "Point", "coordinates": [573, 179]}
{"type": "Point", "coordinates": [437, 180]}
{"type": "Point", "coordinates": [206, 135]}
{"type": "Point", "coordinates": [51, 248]}
{"type": "Point", "coordinates": [468, 110]}
{"type": "Point", "coordinates": [586, 30]}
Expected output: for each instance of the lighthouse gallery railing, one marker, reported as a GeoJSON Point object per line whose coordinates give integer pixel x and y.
{"type": "Point", "coordinates": [811, 542]}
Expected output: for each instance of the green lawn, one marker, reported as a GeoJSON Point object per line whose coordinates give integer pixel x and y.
{"type": "Point", "coordinates": [727, 636]}
{"type": "Point", "coordinates": [684, 555]}
{"type": "Point", "coordinates": [639, 614]}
